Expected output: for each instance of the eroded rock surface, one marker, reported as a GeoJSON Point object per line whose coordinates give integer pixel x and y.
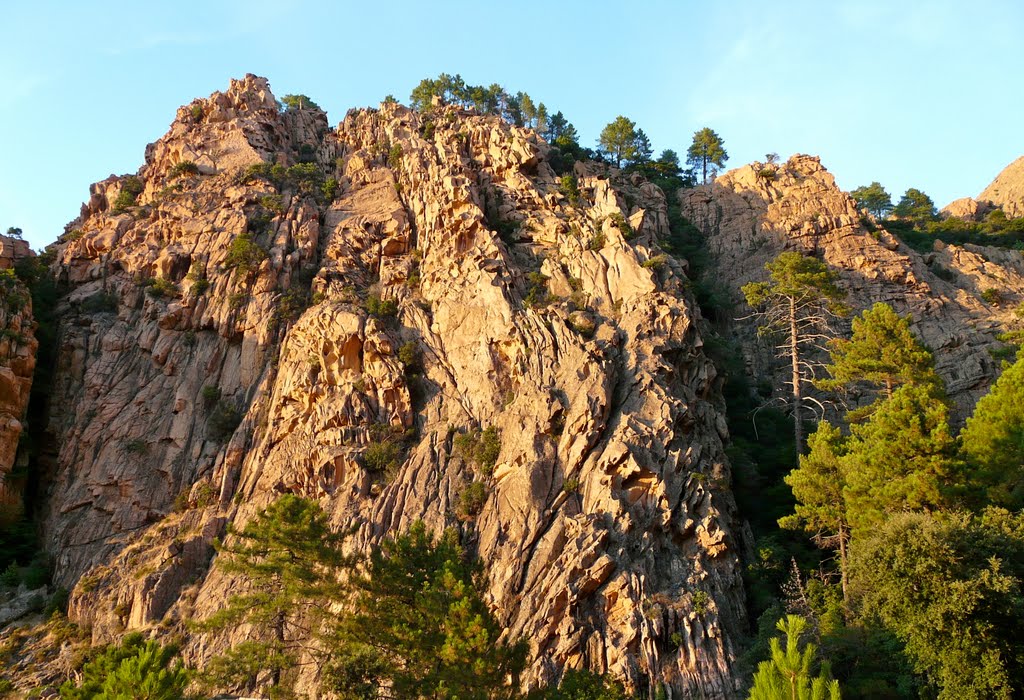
{"type": "Point", "coordinates": [1007, 190]}
{"type": "Point", "coordinates": [192, 388]}
{"type": "Point", "coordinates": [960, 298]}
{"type": "Point", "coordinates": [17, 363]}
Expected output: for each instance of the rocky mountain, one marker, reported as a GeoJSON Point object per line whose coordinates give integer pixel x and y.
{"type": "Point", "coordinates": [269, 297]}
{"type": "Point", "coordinates": [273, 305]}
{"type": "Point", "coordinates": [1007, 190]}
{"type": "Point", "coordinates": [751, 214]}
{"type": "Point", "coordinates": [17, 362]}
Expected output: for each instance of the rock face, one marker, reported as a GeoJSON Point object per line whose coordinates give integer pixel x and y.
{"type": "Point", "coordinates": [966, 208]}
{"type": "Point", "coordinates": [216, 350]}
{"type": "Point", "coordinates": [17, 362]}
{"type": "Point", "coordinates": [1007, 190]}
{"type": "Point", "coordinates": [960, 298]}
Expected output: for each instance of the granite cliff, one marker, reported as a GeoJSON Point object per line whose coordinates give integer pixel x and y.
{"type": "Point", "coordinates": [273, 296]}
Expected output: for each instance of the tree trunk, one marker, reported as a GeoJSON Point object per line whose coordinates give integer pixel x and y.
{"type": "Point", "coordinates": [704, 162]}
{"type": "Point", "coordinates": [798, 401]}
{"type": "Point", "coordinates": [842, 562]}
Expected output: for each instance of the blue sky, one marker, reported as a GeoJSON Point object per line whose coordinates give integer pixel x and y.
{"type": "Point", "coordinates": [913, 94]}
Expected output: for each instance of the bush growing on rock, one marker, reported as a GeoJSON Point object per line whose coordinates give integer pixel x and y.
{"type": "Point", "coordinates": [480, 447]}
{"type": "Point", "coordinates": [381, 308]}
{"type": "Point", "coordinates": [244, 255]}
{"type": "Point", "coordinates": [185, 168]}
{"type": "Point", "coordinates": [223, 421]}
{"type": "Point", "coordinates": [472, 500]}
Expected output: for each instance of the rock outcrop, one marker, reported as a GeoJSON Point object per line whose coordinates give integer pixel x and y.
{"type": "Point", "coordinates": [17, 363]}
{"type": "Point", "coordinates": [1007, 190]}
{"type": "Point", "coordinates": [218, 348]}
{"type": "Point", "coordinates": [960, 298]}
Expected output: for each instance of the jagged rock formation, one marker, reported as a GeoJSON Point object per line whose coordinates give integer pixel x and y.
{"type": "Point", "coordinates": [1007, 190]}
{"type": "Point", "coordinates": [750, 215]}
{"type": "Point", "coordinates": [193, 385]}
{"type": "Point", "coordinates": [17, 363]}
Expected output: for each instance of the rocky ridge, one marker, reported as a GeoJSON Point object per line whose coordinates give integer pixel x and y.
{"type": "Point", "coordinates": [753, 213]}
{"type": "Point", "coordinates": [17, 363]}
{"type": "Point", "coordinates": [217, 349]}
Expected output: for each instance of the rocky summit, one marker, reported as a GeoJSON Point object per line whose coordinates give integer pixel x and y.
{"type": "Point", "coordinates": [426, 316]}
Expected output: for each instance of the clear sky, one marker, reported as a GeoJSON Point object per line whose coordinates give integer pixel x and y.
{"type": "Point", "coordinates": [923, 93]}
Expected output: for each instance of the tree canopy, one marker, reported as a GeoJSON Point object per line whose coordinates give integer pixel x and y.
{"type": "Point", "coordinates": [874, 199]}
{"type": "Point", "coordinates": [797, 300]}
{"type": "Point", "coordinates": [993, 439]}
{"type": "Point", "coordinates": [790, 674]}
{"type": "Point", "coordinates": [706, 153]}
{"type": "Point", "coordinates": [915, 206]}
{"type": "Point", "coordinates": [618, 140]}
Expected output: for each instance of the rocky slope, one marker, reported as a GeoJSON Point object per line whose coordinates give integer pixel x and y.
{"type": "Point", "coordinates": [216, 350]}
{"type": "Point", "coordinates": [752, 213]}
{"type": "Point", "coordinates": [17, 363]}
{"type": "Point", "coordinates": [1007, 190]}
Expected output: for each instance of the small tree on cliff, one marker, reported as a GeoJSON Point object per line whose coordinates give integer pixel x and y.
{"type": "Point", "coordinates": [799, 300]}
{"type": "Point", "coordinates": [706, 153]}
{"type": "Point", "coordinates": [874, 199]}
{"type": "Point", "coordinates": [618, 140]}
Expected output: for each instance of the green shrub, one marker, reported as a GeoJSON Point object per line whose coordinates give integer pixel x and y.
{"type": "Point", "coordinates": [480, 447]}
{"type": "Point", "coordinates": [619, 222]}
{"type": "Point", "coordinates": [570, 189]}
{"type": "Point", "coordinates": [211, 395]}
{"type": "Point", "coordinates": [135, 447]}
{"type": "Point", "coordinates": [597, 241]}
{"type": "Point", "coordinates": [160, 287]}
{"type": "Point", "coordinates": [409, 355]}
{"type": "Point", "coordinates": [135, 669]}
{"type": "Point", "coordinates": [655, 263]}
{"type": "Point", "coordinates": [298, 102]}
{"type": "Point", "coordinates": [472, 500]}
{"type": "Point", "coordinates": [185, 168]}
{"type": "Point", "coordinates": [537, 294]}
{"type": "Point", "coordinates": [131, 188]}
{"type": "Point", "coordinates": [11, 576]}
{"type": "Point", "coordinates": [382, 308]}
{"type": "Point", "coordinates": [223, 421]}
{"type": "Point", "coordinates": [395, 157]}
{"type": "Point", "coordinates": [100, 302]}
{"type": "Point", "coordinates": [197, 112]}
{"type": "Point", "coordinates": [330, 189]}
{"type": "Point", "coordinates": [992, 296]}
{"type": "Point", "coordinates": [583, 324]}
{"type": "Point", "coordinates": [381, 457]}
{"type": "Point", "coordinates": [244, 255]}
{"type": "Point", "coordinates": [571, 485]}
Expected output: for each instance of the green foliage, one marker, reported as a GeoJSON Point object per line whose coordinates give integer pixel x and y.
{"type": "Point", "coordinates": [537, 294]}
{"type": "Point", "coordinates": [472, 500]}
{"type": "Point", "coordinates": [597, 241]}
{"type": "Point", "coordinates": [789, 674]}
{"type": "Point", "coordinates": [619, 141]}
{"type": "Point", "coordinates": [874, 199]}
{"type": "Point", "coordinates": [882, 353]}
{"type": "Point", "coordinates": [410, 356]}
{"type": "Point", "coordinates": [223, 420]}
{"type": "Point", "coordinates": [915, 206]}
{"type": "Point", "coordinates": [950, 587]}
{"type": "Point", "coordinates": [160, 287]}
{"type": "Point", "coordinates": [244, 255]}
{"type": "Point", "coordinates": [185, 168]}
{"type": "Point", "coordinates": [582, 685]}
{"type": "Point", "coordinates": [210, 395]}
{"type": "Point", "coordinates": [299, 102]}
{"type": "Point", "coordinates": [381, 308]}
{"type": "Point", "coordinates": [420, 627]}
{"type": "Point", "coordinates": [993, 440]}
{"type": "Point", "coordinates": [381, 457]}
{"type": "Point", "coordinates": [134, 670]}
{"type": "Point", "coordinates": [570, 189]}
{"type": "Point", "coordinates": [480, 447]}
{"type": "Point", "coordinates": [291, 559]}
{"type": "Point", "coordinates": [131, 188]}
{"type": "Point", "coordinates": [706, 153]}
{"type": "Point", "coordinates": [903, 458]}
{"type": "Point", "coordinates": [818, 486]}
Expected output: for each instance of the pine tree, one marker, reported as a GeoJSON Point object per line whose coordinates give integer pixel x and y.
{"type": "Point", "coordinates": [818, 485]}
{"type": "Point", "coordinates": [799, 300]}
{"type": "Point", "coordinates": [706, 153]}
{"type": "Point", "coordinates": [788, 674]}
{"type": "Point", "coordinates": [618, 140]}
{"type": "Point", "coordinates": [134, 670]}
{"type": "Point", "coordinates": [292, 562]}
{"type": "Point", "coordinates": [915, 206]}
{"type": "Point", "coordinates": [419, 627]}
{"type": "Point", "coordinates": [903, 458]}
{"type": "Point", "coordinates": [874, 199]}
{"type": "Point", "coordinates": [882, 353]}
{"type": "Point", "coordinates": [993, 440]}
